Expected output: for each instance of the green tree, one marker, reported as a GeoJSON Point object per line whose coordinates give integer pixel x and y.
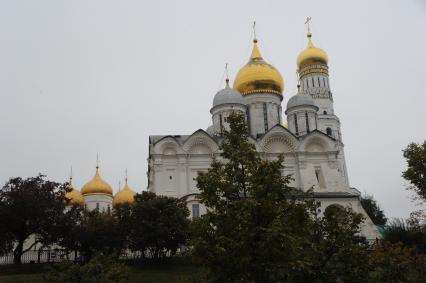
{"type": "Point", "coordinates": [334, 247]}
{"type": "Point", "coordinates": [6, 242]}
{"type": "Point", "coordinates": [159, 224]}
{"type": "Point", "coordinates": [395, 263]}
{"type": "Point", "coordinates": [415, 155]}
{"type": "Point", "coordinates": [373, 210]}
{"type": "Point", "coordinates": [410, 233]}
{"type": "Point", "coordinates": [98, 233]}
{"type": "Point", "coordinates": [256, 223]}
{"type": "Point", "coordinates": [30, 207]}
{"type": "Point", "coordinates": [123, 213]}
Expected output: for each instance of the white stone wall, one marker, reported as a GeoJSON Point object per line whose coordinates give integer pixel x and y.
{"type": "Point", "coordinates": [222, 112]}
{"type": "Point", "coordinates": [101, 201]}
{"type": "Point", "coordinates": [314, 161]}
{"type": "Point", "coordinates": [255, 104]}
{"type": "Point", "coordinates": [300, 112]}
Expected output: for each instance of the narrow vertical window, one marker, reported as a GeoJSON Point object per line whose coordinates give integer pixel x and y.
{"type": "Point", "coordinates": [195, 211]}
{"type": "Point", "coordinates": [319, 84]}
{"type": "Point", "coordinates": [329, 132]}
{"type": "Point", "coordinates": [316, 122]}
{"type": "Point", "coordinates": [265, 117]}
{"type": "Point", "coordinates": [109, 210]}
{"type": "Point", "coordinates": [295, 124]}
{"type": "Point", "coordinates": [323, 81]}
{"type": "Point", "coordinates": [278, 115]}
{"type": "Point", "coordinates": [313, 82]}
{"type": "Point", "coordinates": [320, 177]}
{"type": "Point", "coordinates": [307, 122]}
{"type": "Point", "coordinates": [220, 123]}
{"type": "Point", "coordinates": [97, 205]}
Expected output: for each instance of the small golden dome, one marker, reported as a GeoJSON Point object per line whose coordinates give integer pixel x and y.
{"type": "Point", "coordinates": [74, 196]}
{"type": "Point", "coordinates": [96, 186]}
{"type": "Point", "coordinates": [311, 54]}
{"type": "Point", "coordinates": [258, 76]}
{"type": "Point", "coordinates": [126, 195]}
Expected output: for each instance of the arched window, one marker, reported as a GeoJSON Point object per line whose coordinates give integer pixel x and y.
{"type": "Point", "coordinates": [325, 112]}
{"type": "Point", "coordinates": [329, 132]}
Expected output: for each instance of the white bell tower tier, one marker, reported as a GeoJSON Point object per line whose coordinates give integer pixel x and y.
{"type": "Point", "coordinates": [314, 79]}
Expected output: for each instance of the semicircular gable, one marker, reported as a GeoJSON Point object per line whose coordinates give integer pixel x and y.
{"type": "Point", "coordinates": [167, 146]}
{"type": "Point", "coordinates": [316, 142]}
{"type": "Point", "coordinates": [200, 143]}
{"type": "Point", "coordinates": [278, 141]}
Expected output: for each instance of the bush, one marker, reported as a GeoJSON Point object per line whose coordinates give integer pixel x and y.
{"type": "Point", "coordinates": [99, 269]}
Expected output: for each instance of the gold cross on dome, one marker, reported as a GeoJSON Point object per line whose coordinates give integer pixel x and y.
{"type": "Point", "coordinates": [254, 30]}
{"type": "Point", "coordinates": [308, 23]}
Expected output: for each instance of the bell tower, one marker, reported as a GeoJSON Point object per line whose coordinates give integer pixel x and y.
{"type": "Point", "coordinates": [312, 64]}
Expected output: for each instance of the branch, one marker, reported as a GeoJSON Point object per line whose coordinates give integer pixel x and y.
{"type": "Point", "coordinates": [30, 247]}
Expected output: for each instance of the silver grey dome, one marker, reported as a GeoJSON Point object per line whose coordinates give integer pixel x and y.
{"type": "Point", "coordinates": [226, 96]}
{"type": "Point", "coordinates": [299, 100]}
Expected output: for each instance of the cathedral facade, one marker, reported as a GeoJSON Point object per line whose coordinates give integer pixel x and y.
{"type": "Point", "coordinates": [310, 140]}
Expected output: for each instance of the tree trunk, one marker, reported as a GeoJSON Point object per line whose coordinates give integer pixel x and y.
{"type": "Point", "coordinates": [40, 250]}
{"type": "Point", "coordinates": [17, 253]}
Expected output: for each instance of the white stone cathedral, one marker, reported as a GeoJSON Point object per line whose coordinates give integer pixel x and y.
{"type": "Point", "coordinates": [310, 140]}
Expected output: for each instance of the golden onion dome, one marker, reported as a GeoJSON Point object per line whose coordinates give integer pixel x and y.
{"type": "Point", "coordinates": [258, 76]}
{"type": "Point", "coordinates": [126, 195]}
{"type": "Point", "coordinates": [311, 54]}
{"type": "Point", "coordinates": [96, 186]}
{"type": "Point", "coordinates": [74, 196]}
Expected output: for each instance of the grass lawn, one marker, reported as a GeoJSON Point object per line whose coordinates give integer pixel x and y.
{"type": "Point", "coordinates": [173, 271]}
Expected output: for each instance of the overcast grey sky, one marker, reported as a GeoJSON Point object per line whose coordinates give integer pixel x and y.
{"type": "Point", "coordinates": [81, 77]}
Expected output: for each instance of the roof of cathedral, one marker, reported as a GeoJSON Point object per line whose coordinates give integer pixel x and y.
{"type": "Point", "coordinates": [228, 95]}
{"type": "Point", "coordinates": [96, 185]}
{"type": "Point", "coordinates": [311, 54]}
{"type": "Point", "coordinates": [258, 76]}
{"type": "Point", "coordinates": [299, 100]}
{"type": "Point", "coordinates": [126, 195]}
{"type": "Point", "coordinates": [335, 195]}
{"type": "Point", "coordinates": [180, 139]}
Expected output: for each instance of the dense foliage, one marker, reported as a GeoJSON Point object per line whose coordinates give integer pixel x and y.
{"type": "Point", "coordinates": [396, 262]}
{"type": "Point", "coordinates": [334, 247]}
{"type": "Point", "coordinates": [153, 225]}
{"type": "Point", "coordinates": [160, 225]}
{"type": "Point", "coordinates": [410, 233]}
{"type": "Point", "coordinates": [260, 229]}
{"type": "Point", "coordinates": [415, 155]}
{"type": "Point", "coordinates": [32, 207]}
{"type": "Point", "coordinates": [36, 210]}
{"type": "Point", "coordinates": [99, 269]}
{"type": "Point", "coordinates": [373, 210]}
